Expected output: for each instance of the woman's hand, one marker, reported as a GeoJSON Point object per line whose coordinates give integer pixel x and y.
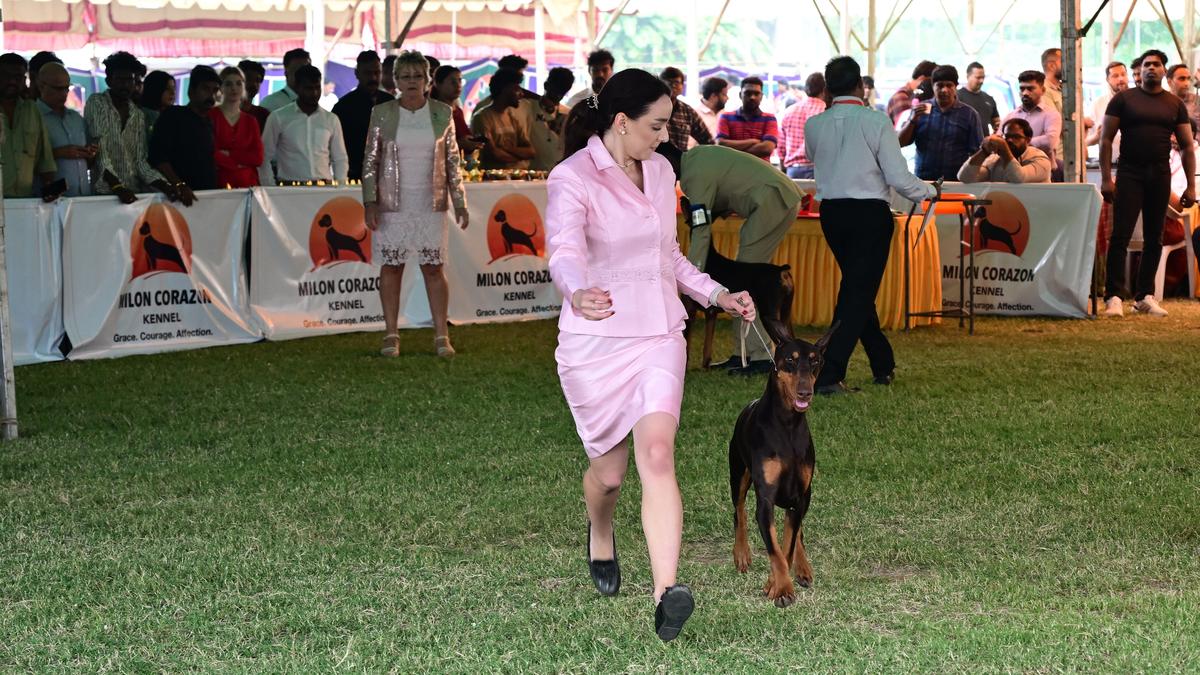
{"type": "Point", "coordinates": [595, 304]}
{"type": "Point", "coordinates": [462, 216]}
{"type": "Point", "coordinates": [737, 304]}
{"type": "Point", "coordinates": [371, 216]}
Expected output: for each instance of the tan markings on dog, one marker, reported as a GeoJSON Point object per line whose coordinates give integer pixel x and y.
{"type": "Point", "coordinates": [779, 587]}
{"type": "Point", "coordinates": [799, 557]}
{"type": "Point", "coordinates": [772, 467]}
{"type": "Point", "coordinates": [741, 546]}
{"type": "Point", "coordinates": [806, 473]}
{"type": "Point", "coordinates": [786, 385]}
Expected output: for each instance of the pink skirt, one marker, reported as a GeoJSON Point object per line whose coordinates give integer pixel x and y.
{"type": "Point", "coordinates": [612, 382]}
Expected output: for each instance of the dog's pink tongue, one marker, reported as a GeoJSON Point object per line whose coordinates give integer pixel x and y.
{"type": "Point", "coordinates": [800, 405]}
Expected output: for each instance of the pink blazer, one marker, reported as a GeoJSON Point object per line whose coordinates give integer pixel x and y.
{"type": "Point", "coordinates": [604, 232]}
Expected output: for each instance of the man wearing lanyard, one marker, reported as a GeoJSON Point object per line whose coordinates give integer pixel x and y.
{"type": "Point", "coordinates": [856, 157]}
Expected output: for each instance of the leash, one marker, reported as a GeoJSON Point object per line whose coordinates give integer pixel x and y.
{"type": "Point", "coordinates": [746, 326]}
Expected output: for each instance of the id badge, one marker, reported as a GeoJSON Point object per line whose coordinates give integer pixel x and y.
{"type": "Point", "coordinates": [699, 215]}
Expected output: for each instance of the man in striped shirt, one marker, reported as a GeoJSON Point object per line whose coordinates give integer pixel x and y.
{"type": "Point", "coordinates": [795, 162]}
{"type": "Point", "coordinates": [748, 128]}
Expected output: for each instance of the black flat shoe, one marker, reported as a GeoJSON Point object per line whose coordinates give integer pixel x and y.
{"type": "Point", "coordinates": [728, 364]}
{"type": "Point", "coordinates": [606, 574]}
{"type": "Point", "coordinates": [753, 368]}
{"type": "Point", "coordinates": [885, 379]}
{"type": "Point", "coordinates": [673, 610]}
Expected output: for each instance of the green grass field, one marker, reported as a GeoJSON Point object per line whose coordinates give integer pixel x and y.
{"type": "Point", "coordinates": [1022, 500]}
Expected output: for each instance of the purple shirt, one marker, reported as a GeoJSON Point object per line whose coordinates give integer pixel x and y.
{"type": "Point", "coordinates": [1047, 127]}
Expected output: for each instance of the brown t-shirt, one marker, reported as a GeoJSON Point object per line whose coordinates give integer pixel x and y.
{"type": "Point", "coordinates": [1148, 121]}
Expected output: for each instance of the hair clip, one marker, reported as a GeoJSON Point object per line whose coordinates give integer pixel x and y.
{"type": "Point", "coordinates": [593, 102]}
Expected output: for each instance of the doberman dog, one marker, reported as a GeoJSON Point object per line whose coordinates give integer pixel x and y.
{"type": "Point", "coordinates": [770, 286]}
{"type": "Point", "coordinates": [156, 250]}
{"type": "Point", "coordinates": [989, 231]}
{"type": "Point", "coordinates": [336, 241]}
{"type": "Point", "coordinates": [514, 237]}
{"type": "Point", "coordinates": [772, 448]}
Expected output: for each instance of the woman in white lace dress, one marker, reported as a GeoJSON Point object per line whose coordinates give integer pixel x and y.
{"type": "Point", "coordinates": [410, 180]}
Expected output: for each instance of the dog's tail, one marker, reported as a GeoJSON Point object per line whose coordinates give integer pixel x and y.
{"type": "Point", "coordinates": [365, 235]}
{"type": "Point", "coordinates": [535, 230]}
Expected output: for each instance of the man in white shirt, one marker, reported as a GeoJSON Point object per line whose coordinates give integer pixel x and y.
{"type": "Point", "coordinates": [856, 156]}
{"type": "Point", "coordinates": [293, 61]}
{"type": "Point", "coordinates": [1117, 78]}
{"type": "Point", "coordinates": [600, 65]}
{"type": "Point", "coordinates": [714, 94]}
{"type": "Point", "coordinates": [303, 139]}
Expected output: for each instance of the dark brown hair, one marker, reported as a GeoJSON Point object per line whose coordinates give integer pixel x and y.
{"type": "Point", "coordinates": [631, 91]}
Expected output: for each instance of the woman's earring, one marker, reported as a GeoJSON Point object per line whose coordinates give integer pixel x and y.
{"type": "Point", "coordinates": [624, 131]}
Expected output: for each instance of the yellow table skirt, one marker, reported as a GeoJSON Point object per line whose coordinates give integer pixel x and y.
{"type": "Point", "coordinates": [817, 275]}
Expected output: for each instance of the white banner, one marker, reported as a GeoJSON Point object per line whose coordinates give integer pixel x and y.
{"type": "Point", "coordinates": [154, 276]}
{"type": "Point", "coordinates": [498, 269]}
{"type": "Point", "coordinates": [33, 256]}
{"type": "Point", "coordinates": [311, 271]}
{"type": "Point", "coordinates": [1034, 249]}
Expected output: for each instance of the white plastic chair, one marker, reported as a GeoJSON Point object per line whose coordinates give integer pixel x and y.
{"type": "Point", "coordinates": [1136, 244]}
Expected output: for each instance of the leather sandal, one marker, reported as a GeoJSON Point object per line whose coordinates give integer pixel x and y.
{"type": "Point", "coordinates": [391, 345]}
{"type": "Point", "coordinates": [606, 574]}
{"type": "Point", "coordinates": [444, 349]}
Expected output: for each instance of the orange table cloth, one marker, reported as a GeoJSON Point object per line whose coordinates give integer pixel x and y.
{"type": "Point", "coordinates": [817, 275]}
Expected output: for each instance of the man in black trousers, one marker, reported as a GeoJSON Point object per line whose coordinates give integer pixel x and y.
{"type": "Point", "coordinates": [1147, 116]}
{"type": "Point", "coordinates": [856, 157]}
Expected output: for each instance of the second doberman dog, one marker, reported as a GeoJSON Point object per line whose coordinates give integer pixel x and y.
{"type": "Point", "coordinates": [336, 241]}
{"type": "Point", "coordinates": [770, 286]}
{"type": "Point", "coordinates": [156, 250]}
{"type": "Point", "coordinates": [772, 449]}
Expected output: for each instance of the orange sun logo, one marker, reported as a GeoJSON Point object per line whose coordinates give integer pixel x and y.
{"type": "Point", "coordinates": [161, 242]}
{"type": "Point", "coordinates": [515, 228]}
{"type": "Point", "coordinates": [339, 233]}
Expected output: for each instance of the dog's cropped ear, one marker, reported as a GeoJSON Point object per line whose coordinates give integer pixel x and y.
{"type": "Point", "coordinates": [823, 341]}
{"type": "Point", "coordinates": [779, 331]}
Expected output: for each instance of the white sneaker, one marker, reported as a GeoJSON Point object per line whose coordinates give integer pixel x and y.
{"type": "Point", "coordinates": [1113, 307]}
{"type": "Point", "coordinates": [1148, 305]}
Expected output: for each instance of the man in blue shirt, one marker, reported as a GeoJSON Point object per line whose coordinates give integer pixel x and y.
{"type": "Point", "coordinates": [67, 129]}
{"type": "Point", "coordinates": [946, 132]}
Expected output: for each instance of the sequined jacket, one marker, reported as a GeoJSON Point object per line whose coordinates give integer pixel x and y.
{"type": "Point", "coordinates": [382, 163]}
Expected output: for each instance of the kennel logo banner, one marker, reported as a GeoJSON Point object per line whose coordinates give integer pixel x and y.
{"type": "Point", "coordinates": [1034, 249]}
{"type": "Point", "coordinates": [310, 263]}
{"type": "Point", "coordinates": [153, 277]}
{"type": "Point", "coordinates": [498, 269]}
{"type": "Point", "coordinates": [33, 262]}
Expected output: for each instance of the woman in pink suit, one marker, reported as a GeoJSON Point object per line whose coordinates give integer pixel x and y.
{"type": "Point", "coordinates": [610, 218]}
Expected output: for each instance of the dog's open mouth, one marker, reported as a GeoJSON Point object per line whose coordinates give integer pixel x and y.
{"type": "Point", "coordinates": [801, 404]}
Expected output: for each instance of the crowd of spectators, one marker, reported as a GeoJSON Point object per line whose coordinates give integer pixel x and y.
{"type": "Point", "coordinates": [133, 138]}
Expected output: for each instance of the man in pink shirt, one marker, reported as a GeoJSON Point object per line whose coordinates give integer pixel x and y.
{"type": "Point", "coordinates": [795, 162]}
{"type": "Point", "coordinates": [1042, 117]}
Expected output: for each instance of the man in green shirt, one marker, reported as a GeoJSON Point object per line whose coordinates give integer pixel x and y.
{"type": "Point", "coordinates": [725, 181]}
{"type": "Point", "coordinates": [27, 153]}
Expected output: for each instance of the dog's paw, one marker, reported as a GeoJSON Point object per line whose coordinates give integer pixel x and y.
{"type": "Point", "coordinates": [741, 558]}
{"type": "Point", "coordinates": [782, 594]}
{"type": "Point", "coordinates": [805, 581]}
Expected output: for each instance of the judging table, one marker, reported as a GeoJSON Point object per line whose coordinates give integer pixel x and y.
{"type": "Point", "coordinates": [817, 276]}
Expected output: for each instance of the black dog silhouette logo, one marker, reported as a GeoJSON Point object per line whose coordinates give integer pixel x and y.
{"type": "Point", "coordinates": [1002, 226]}
{"type": "Point", "coordinates": [339, 233]}
{"type": "Point", "coordinates": [161, 242]}
{"type": "Point", "coordinates": [515, 228]}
